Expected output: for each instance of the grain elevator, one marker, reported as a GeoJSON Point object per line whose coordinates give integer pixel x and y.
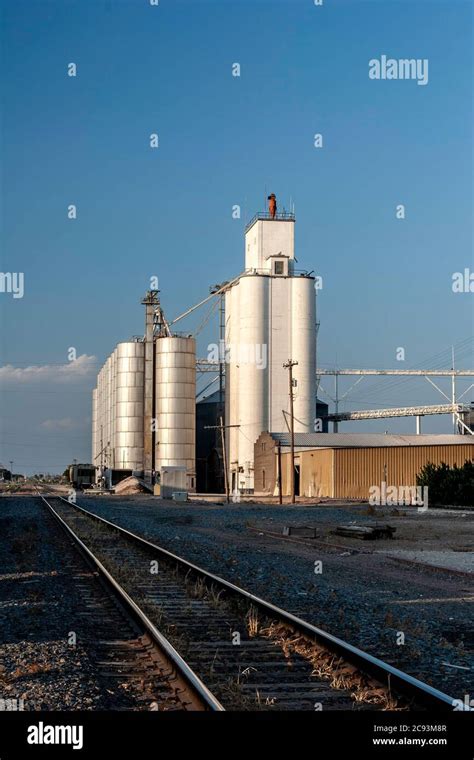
{"type": "Point", "coordinates": [270, 317]}
{"type": "Point", "coordinates": [143, 408]}
{"type": "Point", "coordinates": [144, 405]}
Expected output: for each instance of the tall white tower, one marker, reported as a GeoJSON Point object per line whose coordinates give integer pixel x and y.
{"type": "Point", "coordinates": [270, 317]}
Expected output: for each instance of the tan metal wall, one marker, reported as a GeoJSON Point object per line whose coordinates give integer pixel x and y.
{"type": "Point", "coordinates": [356, 470]}
{"type": "Point", "coordinates": [349, 473]}
{"type": "Point", "coordinates": [316, 472]}
{"type": "Point", "coordinates": [316, 468]}
{"type": "Point", "coordinates": [285, 474]}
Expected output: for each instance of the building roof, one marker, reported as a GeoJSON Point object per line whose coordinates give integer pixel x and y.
{"type": "Point", "coordinates": [265, 216]}
{"type": "Point", "coordinates": [368, 440]}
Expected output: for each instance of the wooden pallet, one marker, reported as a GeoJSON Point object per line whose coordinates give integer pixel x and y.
{"type": "Point", "coordinates": [365, 532]}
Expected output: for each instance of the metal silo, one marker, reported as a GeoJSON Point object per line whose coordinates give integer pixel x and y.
{"type": "Point", "coordinates": [113, 406]}
{"type": "Point", "coordinates": [95, 448]}
{"type": "Point", "coordinates": [101, 409]}
{"type": "Point", "coordinates": [108, 412]}
{"type": "Point", "coordinates": [232, 332]}
{"type": "Point", "coordinates": [98, 423]}
{"type": "Point", "coordinates": [128, 394]}
{"type": "Point", "coordinates": [175, 403]}
{"type": "Point", "coordinates": [303, 350]}
{"type": "Point", "coordinates": [253, 374]}
{"type": "Point", "coordinates": [100, 455]}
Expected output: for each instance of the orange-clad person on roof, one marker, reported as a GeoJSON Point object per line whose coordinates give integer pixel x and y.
{"type": "Point", "coordinates": [272, 205]}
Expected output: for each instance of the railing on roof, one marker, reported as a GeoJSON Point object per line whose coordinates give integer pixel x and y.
{"type": "Point", "coordinates": [280, 216]}
{"type": "Point", "coordinates": [268, 272]}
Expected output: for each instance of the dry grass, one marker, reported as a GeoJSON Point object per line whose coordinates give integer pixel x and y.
{"type": "Point", "coordinates": [332, 668]}
{"type": "Point", "coordinates": [253, 624]}
{"type": "Point", "coordinates": [198, 590]}
{"type": "Point", "coordinates": [233, 695]}
{"type": "Point", "coordinates": [214, 596]}
{"type": "Point", "coordinates": [262, 705]}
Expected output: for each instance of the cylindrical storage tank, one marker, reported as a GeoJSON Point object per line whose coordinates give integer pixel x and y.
{"type": "Point", "coordinates": [252, 359]}
{"type": "Point", "coordinates": [98, 418]}
{"type": "Point", "coordinates": [94, 427]}
{"type": "Point", "coordinates": [101, 431]}
{"type": "Point", "coordinates": [232, 329]}
{"type": "Point", "coordinates": [129, 374]}
{"type": "Point", "coordinates": [113, 389]}
{"type": "Point", "coordinates": [101, 418]}
{"type": "Point", "coordinates": [303, 350]}
{"type": "Point", "coordinates": [107, 414]}
{"type": "Point", "coordinates": [175, 403]}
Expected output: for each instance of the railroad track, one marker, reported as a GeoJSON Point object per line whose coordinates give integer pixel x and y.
{"type": "Point", "coordinates": [133, 659]}
{"type": "Point", "coordinates": [249, 653]}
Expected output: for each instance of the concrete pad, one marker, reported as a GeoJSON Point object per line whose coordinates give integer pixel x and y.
{"type": "Point", "coordinates": [451, 560]}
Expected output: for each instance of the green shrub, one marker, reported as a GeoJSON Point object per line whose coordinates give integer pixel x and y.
{"type": "Point", "coordinates": [448, 485]}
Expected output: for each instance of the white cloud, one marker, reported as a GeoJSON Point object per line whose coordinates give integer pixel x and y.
{"type": "Point", "coordinates": [66, 423]}
{"type": "Point", "coordinates": [83, 367]}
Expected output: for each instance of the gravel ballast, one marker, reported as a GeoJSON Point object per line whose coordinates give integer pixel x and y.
{"type": "Point", "coordinates": [413, 616]}
{"type": "Point", "coordinates": [60, 629]}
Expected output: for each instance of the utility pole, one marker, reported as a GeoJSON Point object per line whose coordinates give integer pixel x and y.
{"type": "Point", "coordinates": [280, 499]}
{"type": "Point", "coordinates": [224, 457]}
{"type": "Point", "coordinates": [289, 365]}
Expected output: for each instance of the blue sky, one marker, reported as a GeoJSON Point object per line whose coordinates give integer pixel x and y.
{"type": "Point", "coordinates": [228, 140]}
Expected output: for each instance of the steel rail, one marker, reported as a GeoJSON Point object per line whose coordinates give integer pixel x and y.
{"type": "Point", "coordinates": [193, 682]}
{"type": "Point", "coordinates": [388, 676]}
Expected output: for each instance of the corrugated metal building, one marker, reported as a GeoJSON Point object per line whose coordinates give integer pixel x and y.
{"type": "Point", "coordinates": [346, 465]}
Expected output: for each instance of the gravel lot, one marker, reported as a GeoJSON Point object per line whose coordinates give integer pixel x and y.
{"type": "Point", "coordinates": [414, 616]}
{"type": "Point", "coordinates": [37, 611]}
